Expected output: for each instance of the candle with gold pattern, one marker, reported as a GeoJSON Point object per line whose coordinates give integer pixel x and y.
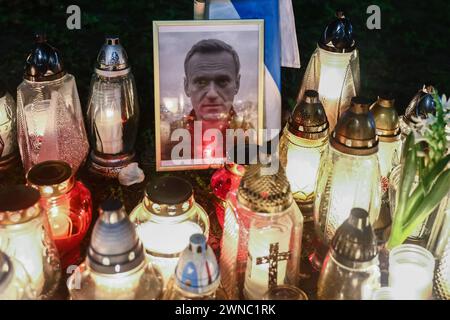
{"type": "Point", "coordinates": [262, 234]}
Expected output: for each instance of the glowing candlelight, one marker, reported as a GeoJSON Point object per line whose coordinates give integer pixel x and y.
{"type": "Point", "coordinates": [109, 130]}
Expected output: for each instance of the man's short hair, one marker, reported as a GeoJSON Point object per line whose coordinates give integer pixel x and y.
{"type": "Point", "coordinates": [212, 46]}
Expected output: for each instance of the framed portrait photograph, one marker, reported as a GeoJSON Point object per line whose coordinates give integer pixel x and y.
{"type": "Point", "coordinates": [209, 82]}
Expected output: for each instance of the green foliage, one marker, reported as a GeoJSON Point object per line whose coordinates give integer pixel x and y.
{"type": "Point", "coordinates": [428, 161]}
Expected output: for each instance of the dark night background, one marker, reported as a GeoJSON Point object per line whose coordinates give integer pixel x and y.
{"type": "Point", "coordinates": [411, 48]}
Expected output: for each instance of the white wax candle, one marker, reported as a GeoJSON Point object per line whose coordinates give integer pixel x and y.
{"type": "Point", "coordinates": [109, 130]}
{"type": "Point", "coordinates": [60, 222]}
{"type": "Point", "coordinates": [302, 167]}
{"type": "Point", "coordinates": [257, 275]}
{"type": "Point", "coordinates": [333, 68]}
{"type": "Point", "coordinates": [410, 281]}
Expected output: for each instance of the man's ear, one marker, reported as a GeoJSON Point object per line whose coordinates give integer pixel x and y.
{"type": "Point", "coordinates": [238, 83]}
{"type": "Point", "coordinates": [186, 87]}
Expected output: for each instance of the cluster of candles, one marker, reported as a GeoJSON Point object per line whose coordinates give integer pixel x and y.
{"type": "Point", "coordinates": [337, 153]}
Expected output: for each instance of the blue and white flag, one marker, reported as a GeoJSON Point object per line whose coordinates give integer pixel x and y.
{"type": "Point", "coordinates": [278, 34]}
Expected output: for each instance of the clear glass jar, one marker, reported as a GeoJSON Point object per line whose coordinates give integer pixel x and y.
{"type": "Point", "coordinates": [197, 275]}
{"type": "Point", "coordinates": [113, 110]}
{"type": "Point", "coordinates": [8, 134]}
{"type": "Point", "coordinates": [345, 182]}
{"type": "Point", "coordinates": [50, 122]}
{"type": "Point", "coordinates": [15, 283]}
{"type": "Point", "coordinates": [165, 220]}
{"type": "Point", "coordinates": [25, 236]}
{"type": "Point", "coordinates": [307, 154]}
{"type": "Point", "coordinates": [261, 243]}
{"type": "Point", "coordinates": [68, 205]}
{"type": "Point", "coordinates": [224, 180]}
{"type": "Point", "coordinates": [116, 267]}
{"type": "Point", "coordinates": [411, 270]}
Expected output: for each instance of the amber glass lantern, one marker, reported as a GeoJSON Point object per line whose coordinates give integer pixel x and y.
{"type": "Point", "coordinates": [350, 270]}
{"type": "Point", "coordinates": [113, 110]}
{"type": "Point", "coordinates": [262, 235]}
{"type": "Point", "coordinates": [8, 135]}
{"type": "Point", "coordinates": [302, 148]}
{"type": "Point", "coordinates": [350, 177]}
{"type": "Point", "coordinates": [333, 69]}
{"type": "Point", "coordinates": [165, 220]}
{"type": "Point", "coordinates": [197, 275]}
{"type": "Point", "coordinates": [25, 236]}
{"type": "Point", "coordinates": [116, 267]}
{"type": "Point", "coordinates": [67, 203]}
{"type": "Point", "coordinates": [49, 118]}
{"type": "Point", "coordinates": [389, 152]}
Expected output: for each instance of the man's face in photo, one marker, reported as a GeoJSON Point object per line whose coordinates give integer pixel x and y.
{"type": "Point", "coordinates": [211, 82]}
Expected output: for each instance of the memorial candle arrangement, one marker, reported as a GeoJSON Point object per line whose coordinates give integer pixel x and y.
{"type": "Point", "coordinates": [8, 137]}
{"type": "Point", "coordinates": [49, 118]}
{"type": "Point", "coordinates": [302, 150]}
{"type": "Point", "coordinates": [113, 110]}
{"type": "Point", "coordinates": [25, 236]}
{"type": "Point", "coordinates": [333, 69]}
{"type": "Point", "coordinates": [116, 267]}
{"type": "Point", "coordinates": [165, 220]}
{"type": "Point", "coordinates": [68, 205]}
{"type": "Point", "coordinates": [262, 235]}
{"type": "Point", "coordinates": [350, 177]}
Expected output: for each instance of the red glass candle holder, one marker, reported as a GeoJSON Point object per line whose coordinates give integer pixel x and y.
{"type": "Point", "coordinates": [224, 180]}
{"type": "Point", "coordinates": [68, 205]}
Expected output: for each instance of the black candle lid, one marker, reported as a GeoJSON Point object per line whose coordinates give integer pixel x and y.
{"type": "Point", "coordinates": [338, 35]}
{"type": "Point", "coordinates": [169, 196]}
{"type": "Point", "coordinates": [44, 62]}
{"type": "Point", "coordinates": [355, 240]}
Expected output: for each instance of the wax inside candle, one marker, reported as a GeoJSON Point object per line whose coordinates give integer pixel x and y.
{"type": "Point", "coordinates": [109, 128]}
{"type": "Point", "coordinates": [411, 281]}
{"type": "Point", "coordinates": [60, 222]}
